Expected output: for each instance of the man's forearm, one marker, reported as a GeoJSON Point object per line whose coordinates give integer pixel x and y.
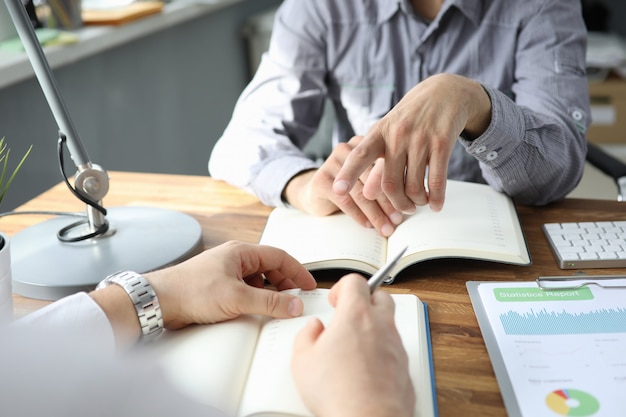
{"type": "Point", "coordinates": [294, 190]}
{"type": "Point", "coordinates": [119, 309]}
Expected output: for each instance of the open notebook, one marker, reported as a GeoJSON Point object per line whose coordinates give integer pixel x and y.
{"type": "Point", "coordinates": [242, 367]}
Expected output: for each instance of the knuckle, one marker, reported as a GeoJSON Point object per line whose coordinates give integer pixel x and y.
{"type": "Point", "coordinates": [323, 176]}
{"type": "Point", "coordinates": [389, 187]}
{"type": "Point", "coordinates": [401, 129]}
{"type": "Point", "coordinates": [272, 302]}
{"type": "Point", "coordinates": [359, 153]}
{"type": "Point", "coordinates": [436, 184]}
{"type": "Point", "coordinates": [232, 244]}
{"type": "Point", "coordinates": [343, 148]}
{"type": "Point", "coordinates": [345, 202]}
{"type": "Point", "coordinates": [439, 143]}
{"type": "Point", "coordinates": [413, 191]}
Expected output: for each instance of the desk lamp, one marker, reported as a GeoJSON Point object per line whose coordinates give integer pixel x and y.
{"type": "Point", "coordinates": [59, 257]}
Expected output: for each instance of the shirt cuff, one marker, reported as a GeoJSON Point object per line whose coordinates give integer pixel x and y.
{"type": "Point", "coordinates": [504, 133]}
{"type": "Point", "coordinates": [271, 181]}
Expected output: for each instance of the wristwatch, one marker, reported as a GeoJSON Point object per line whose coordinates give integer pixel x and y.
{"type": "Point", "coordinates": [144, 299]}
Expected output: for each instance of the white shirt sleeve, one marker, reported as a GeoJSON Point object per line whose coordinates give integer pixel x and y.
{"type": "Point", "coordinates": [76, 314]}
{"type": "Point", "coordinates": [61, 361]}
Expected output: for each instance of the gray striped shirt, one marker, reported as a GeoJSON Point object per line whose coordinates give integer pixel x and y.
{"type": "Point", "coordinates": [365, 55]}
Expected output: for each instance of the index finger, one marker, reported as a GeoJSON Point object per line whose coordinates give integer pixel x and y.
{"type": "Point", "coordinates": [352, 294]}
{"type": "Point", "coordinates": [358, 160]}
{"type": "Point", "coordinates": [349, 291]}
{"type": "Point", "coordinates": [281, 269]}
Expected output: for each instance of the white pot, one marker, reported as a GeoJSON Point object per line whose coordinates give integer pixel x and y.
{"type": "Point", "coordinates": [6, 285]}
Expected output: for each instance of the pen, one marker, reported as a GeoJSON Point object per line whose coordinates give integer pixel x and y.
{"type": "Point", "coordinates": [378, 278]}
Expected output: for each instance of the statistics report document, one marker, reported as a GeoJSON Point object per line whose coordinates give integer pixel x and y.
{"type": "Point", "coordinates": [557, 352]}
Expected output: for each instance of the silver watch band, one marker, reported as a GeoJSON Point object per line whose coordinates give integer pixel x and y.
{"type": "Point", "coordinates": [144, 299]}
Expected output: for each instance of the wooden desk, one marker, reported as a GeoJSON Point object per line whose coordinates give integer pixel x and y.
{"type": "Point", "coordinates": [464, 377]}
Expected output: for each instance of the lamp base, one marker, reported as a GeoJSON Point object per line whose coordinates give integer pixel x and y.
{"type": "Point", "coordinates": [142, 239]}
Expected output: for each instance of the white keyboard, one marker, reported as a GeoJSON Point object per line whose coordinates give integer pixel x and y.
{"type": "Point", "coordinates": [588, 244]}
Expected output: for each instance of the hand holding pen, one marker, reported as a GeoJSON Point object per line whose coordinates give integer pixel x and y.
{"type": "Point", "coordinates": [330, 359]}
{"type": "Point", "coordinates": [383, 273]}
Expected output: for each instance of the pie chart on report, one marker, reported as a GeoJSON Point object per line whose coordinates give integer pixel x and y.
{"type": "Point", "coordinates": [572, 402]}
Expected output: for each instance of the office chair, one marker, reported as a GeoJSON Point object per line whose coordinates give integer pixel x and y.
{"type": "Point", "coordinates": [609, 165]}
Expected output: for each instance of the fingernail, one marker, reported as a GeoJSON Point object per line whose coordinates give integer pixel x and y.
{"type": "Point", "coordinates": [412, 210]}
{"type": "Point", "coordinates": [295, 307]}
{"type": "Point", "coordinates": [340, 186]}
{"type": "Point", "coordinates": [387, 229]}
{"type": "Point", "coordinates": [396, 217]}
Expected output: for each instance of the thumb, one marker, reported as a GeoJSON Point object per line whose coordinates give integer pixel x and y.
{"type": "Point", "coordinates": [359, 159]}
{"type": "Point", "coordinates": [372, 187]}
{"type": "Point", "coordinates": [271, 303]}
{"type": "Point", "coordinates": [308, 335]}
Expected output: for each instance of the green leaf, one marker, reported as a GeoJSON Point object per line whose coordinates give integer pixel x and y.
{"type": "Point", "coordinates": [4, 160]}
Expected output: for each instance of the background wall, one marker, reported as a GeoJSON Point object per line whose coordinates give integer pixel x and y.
{"type": "Point", "coordinates": [156, 104]}
{"type": "Point", "coordinates": [617, 19]}
{"type": "Point", "coordinates": [606, 15]}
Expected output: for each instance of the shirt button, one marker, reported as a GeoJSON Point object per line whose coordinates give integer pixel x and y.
{"type": "Point", "coordinates": [481, 149]}
{"type": "Point", "coordinates": [577, 115]}
{"type": "Point", "coordinates": [492, 155]}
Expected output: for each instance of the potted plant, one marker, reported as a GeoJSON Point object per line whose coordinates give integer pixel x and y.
{"type": "Point", "coordinates": [6, 287]}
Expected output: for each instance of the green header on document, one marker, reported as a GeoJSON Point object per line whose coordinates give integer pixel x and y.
{"type": "Point", "coordinates": [537, 294]}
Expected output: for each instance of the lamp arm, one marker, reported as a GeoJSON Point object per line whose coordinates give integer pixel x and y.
{"type": "Point", "coordinates": [90, 180]}
{"type": "Point", "coordinates": [50, 260]}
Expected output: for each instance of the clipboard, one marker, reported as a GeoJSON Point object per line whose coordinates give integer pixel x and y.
{"type": "Point", "coordinates": [497, 361]}
{"type": "Point", "coordinates": [575, 354]}
{"type": "Point", "coordinates": [573, 282]}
